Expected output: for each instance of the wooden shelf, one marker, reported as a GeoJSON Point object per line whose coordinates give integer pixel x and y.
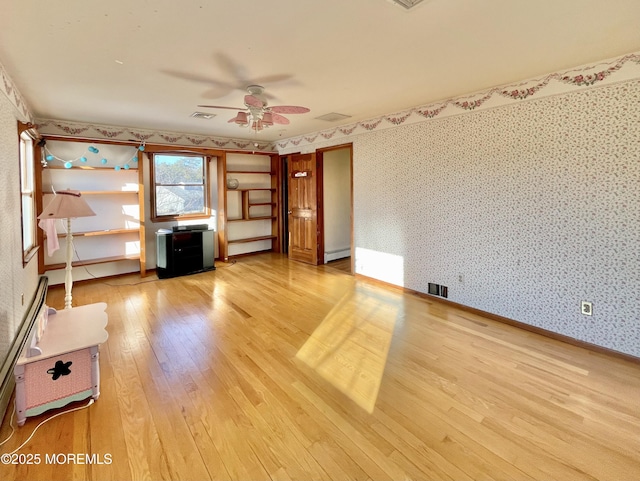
{"type": "Point", "coordinates": [89, 262]}
{"type": "Point", "coordinates": [99, 232]}
{"type": "Point", "coordinates": [265, 217]}
{"type": "Point", "coordinates": [252, 189]}
{"type": "Point", "coordinates": [261, 203]}
{"type": "Point", "coordinates": [99, 192]}
{"type": "Point", "coordinates": [89, 167]}
{"type": "Point", "coordinates": [252, 239]}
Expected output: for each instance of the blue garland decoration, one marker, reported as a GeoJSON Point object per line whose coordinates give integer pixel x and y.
{"type": "Point", "coordinates": [68, 163]}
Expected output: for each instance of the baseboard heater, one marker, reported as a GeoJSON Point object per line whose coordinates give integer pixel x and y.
{"type": "Point", "coordinates": [6, 374]}
{"type": "Point", "coordinates": [337, 254]}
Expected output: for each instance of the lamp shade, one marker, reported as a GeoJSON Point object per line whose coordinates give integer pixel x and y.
{"type": "Point", "coordinates": [241, 118]}
{"type": "Point", "coordinates": [267, 119]}
{"type": "Point", "coordinates": [67, 204]}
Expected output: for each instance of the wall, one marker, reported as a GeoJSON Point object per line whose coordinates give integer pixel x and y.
{"type": "Point", "coordinates": [16, 280]}
{"type": "Point", "coordinates": [337, 203]}
{"type": "Point", "coordinates": [521, 209]}
{"type": "Point", "coordinates": [534, 206]}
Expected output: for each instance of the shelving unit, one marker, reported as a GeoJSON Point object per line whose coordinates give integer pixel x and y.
{"type": "Point", "coordinates": [114, 238]}
{"type": "Point", "coordinates": [251, 221]}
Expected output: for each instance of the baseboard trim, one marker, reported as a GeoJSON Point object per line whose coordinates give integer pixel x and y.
{"type": "Point", "coordinates": [505, 320]}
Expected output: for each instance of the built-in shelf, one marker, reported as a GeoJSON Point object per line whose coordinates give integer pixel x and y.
{"type": "Point", "coordinates": [115, 194]}
{"type": "Point", "coordinates": [253, 205]}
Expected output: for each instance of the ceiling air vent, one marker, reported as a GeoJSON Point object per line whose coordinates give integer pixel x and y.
{"type": "Point", "coordinates": [333, 117]}
{"type": "Point", "coordinates": [408, 4]}
{"type": "Point", "coordinates": [202, 115]}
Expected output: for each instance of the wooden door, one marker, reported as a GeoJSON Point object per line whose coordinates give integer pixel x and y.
{"type": "Point", "coordinates": [303, 183]}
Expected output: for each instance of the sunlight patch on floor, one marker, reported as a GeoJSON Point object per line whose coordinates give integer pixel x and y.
{"type": "Point", "coordinates": [349, 348]}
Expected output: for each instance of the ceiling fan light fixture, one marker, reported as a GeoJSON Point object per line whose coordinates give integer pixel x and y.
{"type": "Point", "coordinates": [408, 4]}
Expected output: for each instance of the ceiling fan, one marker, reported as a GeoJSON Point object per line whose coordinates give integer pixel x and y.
{"type": "Point", "coordinates": [257, 113]}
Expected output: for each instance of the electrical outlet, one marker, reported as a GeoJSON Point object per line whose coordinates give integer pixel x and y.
{"type": "Point", "coordinates": [586, 308]}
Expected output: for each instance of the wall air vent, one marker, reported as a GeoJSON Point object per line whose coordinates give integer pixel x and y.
{"type": "Point", "coordinates": [408, 4]}
{"type": "Point", "coordinates": [333, 117]}
{"type": "Point", "coordinates": [203, 115]}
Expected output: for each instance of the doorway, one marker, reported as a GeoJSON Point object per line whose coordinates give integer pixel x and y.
{"type": "Point", "coordinates": [337, 166]}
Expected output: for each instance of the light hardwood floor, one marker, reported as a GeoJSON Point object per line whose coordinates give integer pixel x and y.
{"type": "Point", "coordinates": [268, 369]}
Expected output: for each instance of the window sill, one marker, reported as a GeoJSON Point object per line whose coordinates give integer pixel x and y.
{"type": "Point", "coordinates": [30, 254]}
{"type": "Point", "coordinates": [172, 218]}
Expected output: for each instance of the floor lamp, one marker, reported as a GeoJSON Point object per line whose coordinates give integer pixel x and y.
{"type": "Point", "coordinates": [67, 204]}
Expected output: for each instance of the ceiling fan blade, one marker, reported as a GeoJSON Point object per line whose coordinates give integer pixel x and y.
{"type": "Point", "coordinates": [279, 119]}
{"type": "Point", "coordinates": [219, 88]}
{"type": "Point", "coordinates": [221, 107]}
{"type": "Point", "coordinates": [232, 69]}
{"type": "Point", "coordinates": [289, 109]}
{"type": "Point", "coordinates": [198, 78]}
{"type": "Point", "coordinates": [253, 101]}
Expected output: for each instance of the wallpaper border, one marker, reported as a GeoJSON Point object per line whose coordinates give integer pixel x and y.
{"type": "Point", "coordinates": [9, 89]}
{"type": "Point", "coordinates": [110, 132]}
{"type": "Point", "coordinates": [605, 72]}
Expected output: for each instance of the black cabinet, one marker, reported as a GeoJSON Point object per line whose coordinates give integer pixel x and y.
{"type": "Point", "coordinates": [184, 252]}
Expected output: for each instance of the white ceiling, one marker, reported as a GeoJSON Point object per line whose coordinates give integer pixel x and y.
{"type": "Point", "coordinates": [149, 63]}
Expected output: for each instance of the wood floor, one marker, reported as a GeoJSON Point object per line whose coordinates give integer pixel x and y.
{"type": "Point", "coordinates": [343, 264]}
{"type": "Point", "coordinates": [266, 370]}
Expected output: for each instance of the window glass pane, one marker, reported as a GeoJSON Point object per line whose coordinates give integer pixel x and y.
{"type": "Point", "coordinates": [174, 169]}
{"type": "Point", "coordinates": [29, 169]}
{"type": "Point", "coordinates": [172, 200]}
{"type": "Point", "coordinates": [27, 214]}
{"type": "Point", "coordinates": [27, 182]}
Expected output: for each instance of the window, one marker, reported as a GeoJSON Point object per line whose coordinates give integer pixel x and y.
{"type": "Point", "coordinates": [180, 186]}
{"type": "Point", "coordinates": [27, 192]}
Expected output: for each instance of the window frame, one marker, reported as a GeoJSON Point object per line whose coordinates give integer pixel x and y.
{"type": "Point", "coordinates": [206, 186]}
{"type": "Point", "coordinates": [27, 138]}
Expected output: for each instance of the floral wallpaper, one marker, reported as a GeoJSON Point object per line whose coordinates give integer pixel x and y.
{"type": "Point", "coordinates": [18, 279]}
{"type": "Point", "coordinates": [522, 211]}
